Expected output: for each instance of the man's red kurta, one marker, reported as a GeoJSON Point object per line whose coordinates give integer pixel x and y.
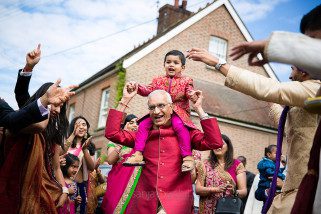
{"type": "Point", "coordinates": [161, 177]}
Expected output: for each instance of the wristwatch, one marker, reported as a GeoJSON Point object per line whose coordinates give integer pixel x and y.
{"type": "Point", "coordinates": [220, 63]}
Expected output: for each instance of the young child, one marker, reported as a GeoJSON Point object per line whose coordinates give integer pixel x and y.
{"type": "Point", "coordinates": [181, 90]}
{"type": "Point", "coordinates": [266, 168]}
{"type": "Point", "coordinates": [69, 171]}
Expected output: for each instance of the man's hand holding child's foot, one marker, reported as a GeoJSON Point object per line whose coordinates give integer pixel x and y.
{"type": "Point", "coordinates": [188, 164]}
{"type": "Point", "coordinates": [135, 159]}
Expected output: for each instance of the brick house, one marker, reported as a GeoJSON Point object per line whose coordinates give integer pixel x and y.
{"type": "Point", "coordinates": [217, 27]}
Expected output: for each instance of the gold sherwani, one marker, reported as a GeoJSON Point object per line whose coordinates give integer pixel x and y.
{"type": "Point", "coordinates": [300, 125]}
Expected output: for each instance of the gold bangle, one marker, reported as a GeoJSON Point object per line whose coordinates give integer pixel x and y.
{"type": "Point", "coordinates": [68, 143]}
{"type": "Point", "coordinates": [117, 150]}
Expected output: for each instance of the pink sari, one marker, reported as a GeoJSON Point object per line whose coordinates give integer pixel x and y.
{"type": "Point", "coordinates": [121, 183]}
{"type": "Point", "coordinates": [214, 177]}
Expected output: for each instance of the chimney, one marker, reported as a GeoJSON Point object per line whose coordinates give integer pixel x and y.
{"type": "Point", "coordinates": [169, 15]}
{"type": "Point", "coordinates": [176, 3]}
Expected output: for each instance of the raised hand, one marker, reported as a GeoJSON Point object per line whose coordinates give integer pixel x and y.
{"type": "Point", "coordinates": [131, 86]}
{"type": "Point", "coordinates": [198, 99]}
{"type": "Point", "coordinates": [32, 58]}
{"type": "Point", "coordinates": [76, 128]}
{"type": "Point", "coordinates": [251, 48]}
{"type": "Point", "coordinates": [56, 95]}
{"type": "Point", "coordinates": [130, 94]}
{"type": "Point", "coordinates": [62, 159]}
{"type": "Point", "coordinates": [193, 96]}
{"type": "Point", "coordinates": [202, 55]}
{"type": "Point", "coordinates": [86, 144]}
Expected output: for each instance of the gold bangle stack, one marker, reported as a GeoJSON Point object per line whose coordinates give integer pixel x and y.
{"type": "Point", "coordinates": [68, 143]}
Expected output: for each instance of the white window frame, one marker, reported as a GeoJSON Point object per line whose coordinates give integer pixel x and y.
{"type": "Point", "coordinates": [103, 108]}
{"type": "Point", "coordinates": [218, 47]}
{"type": "Point", "coordinates": [71, 114]}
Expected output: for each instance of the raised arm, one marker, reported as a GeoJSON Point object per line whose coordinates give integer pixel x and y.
{"type": "Point", "coordinates": [113, 131]}
{"type": "Point", "coordinates": [263, 88]}
{"type": "Point", "coordinates": [145, 90]}
{"type": "Point", "coordinates": [17, 120]}
{"type": "Point", "coordinates": [260, 87]}
{"type": "Point", "coordinates": [211, 137]}
{"type": "Point", "coordinates": [189, 89]}
{"type": "Point", "coordinates": [295, 49]}
{"type": "Point", "coordinates": [284, 47]}
{"type": "Point", "coordinates": [54, 95]}
{"type": "Point", "coordinates": [113, 151]}
{"type": "Point", "coordinates": [24, 76]}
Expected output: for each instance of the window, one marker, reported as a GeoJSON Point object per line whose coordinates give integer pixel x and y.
{"type": "Point", "coordinates": [218, 47]}
{"type": "Point", "coordinates": [103, 108]}
{"type": "Point", "coordinates": [71, 112]}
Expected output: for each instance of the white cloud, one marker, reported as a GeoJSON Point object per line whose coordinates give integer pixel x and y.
{"type": "Point", "coordinates": [253, 10]}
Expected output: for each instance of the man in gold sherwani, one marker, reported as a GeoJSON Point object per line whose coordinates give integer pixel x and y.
{"type": "Point", "coordinates": [300, 125]}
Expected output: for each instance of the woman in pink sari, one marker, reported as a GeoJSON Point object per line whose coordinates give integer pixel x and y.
{"type": "Point", "coordinates": [121, 181]}
{"type": "Point", "coordinates": [220, 173]}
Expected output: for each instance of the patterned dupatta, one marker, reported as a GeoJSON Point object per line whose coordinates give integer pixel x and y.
{"type": "Point", "coordinates": [213, 177]}
{"type": "Point", "coordinates": [39, 191]}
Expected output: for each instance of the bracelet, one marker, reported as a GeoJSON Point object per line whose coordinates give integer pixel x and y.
{"type": "Point", "coordinates": [68, 143]}
{"type": "Point", "coordinates": [27, 69]}
{"type": "Point", "coordinates": [206, 116]}
{"type": "Point", "coordinates": [117, 149]}
{"type": "Point", "coordinates": [65, 190]}
{"type": "Point", "coordinates": [121, 103]}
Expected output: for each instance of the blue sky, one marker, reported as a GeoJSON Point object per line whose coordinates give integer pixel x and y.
{"type": "Point", "coordinates": [80, 37]}
{"type": "Point", "coordinates": [285, 16]}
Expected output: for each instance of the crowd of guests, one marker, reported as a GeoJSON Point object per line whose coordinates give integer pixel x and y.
{"type": "Point", "coordinates": [47, 164]}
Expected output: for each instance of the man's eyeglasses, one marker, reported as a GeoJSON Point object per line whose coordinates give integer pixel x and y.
{"type": "Point", "coordinates": [160, 106]}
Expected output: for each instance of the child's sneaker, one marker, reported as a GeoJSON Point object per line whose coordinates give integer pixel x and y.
{"type": "Point", "coordinates": [188, 164]}
{"type": "Point", "coordinates": [135, 159]}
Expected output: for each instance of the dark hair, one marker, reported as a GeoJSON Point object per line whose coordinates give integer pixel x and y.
{"type": "Point", "coordinates": [127, 119]}
{"type": "Point", "coordinates": [242, 159]}
{"type": "Point", "coordinates": [56, 130]}
{"type": "Point", "coordinates": [228, 157]}
{"type": "Point", "coordinates": [312, 20]}
{"type": "Point", "coordinates": [71, 129]}
{"type": "Point", "coordinates": [91, 148]}
{"type": "Point", "coordinates": [269, 149]}
{"type": "Point", "coordinates": [176, 53]}
{"type": "Point", "coordinates": [70, 159]}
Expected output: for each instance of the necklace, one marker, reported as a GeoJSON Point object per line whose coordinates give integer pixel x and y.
{"type": "Point", "coordinates": [221, 163]}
